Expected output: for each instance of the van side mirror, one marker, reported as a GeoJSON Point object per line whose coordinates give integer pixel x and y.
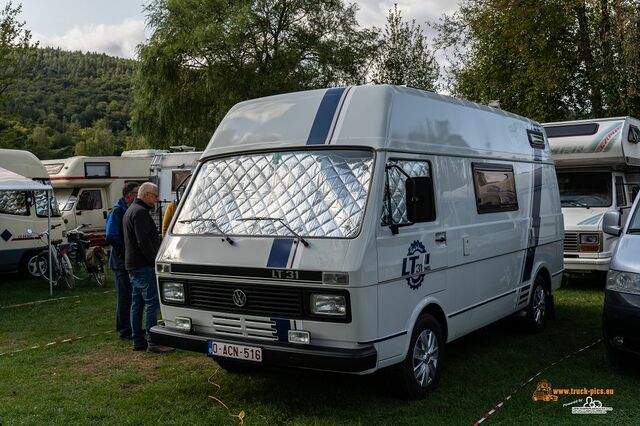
{"type": "Point", "coordinates": [611, 223]}
{"type": "Point", "coordinates": [419, 199]}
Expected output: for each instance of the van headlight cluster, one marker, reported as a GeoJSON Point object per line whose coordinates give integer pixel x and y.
{"type": "Point", "coordinates": [172, 292]}
{"type": "Point", "coordinates": [626, 282]}
{"type": "Point", "coordinates": [333, 305]}
{"type": "Point", "coordinates": [590, 242]}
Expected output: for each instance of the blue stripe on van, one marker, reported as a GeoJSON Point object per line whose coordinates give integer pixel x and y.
{"type": "Point", "coordinates": [324, 116]}
{"type": "Point", "coordinates": [282, 329]}
{"type": "Point", "coordinates": [279, 254]}
{"type": "Point", "coordinates": [535, 218]}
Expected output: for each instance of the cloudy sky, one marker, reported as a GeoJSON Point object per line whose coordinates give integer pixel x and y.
{"type": "Point", "coordinates": [116, 27]}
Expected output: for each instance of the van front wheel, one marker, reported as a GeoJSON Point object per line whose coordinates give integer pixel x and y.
{"type": "Point", "coordinates": [420, 371]}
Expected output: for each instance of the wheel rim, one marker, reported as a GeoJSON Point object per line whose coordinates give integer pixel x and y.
{"type": "Point", "coordinates": [33, 267]}
{"type": "Point", "coordinates": [425, 358]}
{"type": "Point", "coordinates": [539, 305]}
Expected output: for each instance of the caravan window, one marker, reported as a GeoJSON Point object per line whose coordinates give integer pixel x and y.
{"type": "Point", "coordinates": [397, 189]}
{"type": "Point", "coordinates": [97, 170]}
{"type": "Point", "coordinates": [177, 176]}
{"type": "Point", "coordinates": [13, 202]}
{"type": "Point", "coordinates": [495, 188]}
{"type": "Point", "coordinates": [89, 200]}
{"type": "Point", "coordinates": [621, 198]}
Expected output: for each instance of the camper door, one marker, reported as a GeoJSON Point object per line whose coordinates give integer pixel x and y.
{"type": "Point", "coordinates": [412, 250]}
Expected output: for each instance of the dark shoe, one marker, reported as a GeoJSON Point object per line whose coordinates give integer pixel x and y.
{"type": "Point", "coordinates": [141, 347]}
{"type": "Point", "coordinates": [159, 349]}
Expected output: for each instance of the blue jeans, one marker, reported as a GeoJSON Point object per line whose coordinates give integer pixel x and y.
{"type": "Point", "coordinates": [144, 294]}
{"type": "Point", "coordinates": [123, 303]}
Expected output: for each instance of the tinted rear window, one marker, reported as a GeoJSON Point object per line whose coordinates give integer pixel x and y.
{"type": "Point", "coordinates": [572, 130]}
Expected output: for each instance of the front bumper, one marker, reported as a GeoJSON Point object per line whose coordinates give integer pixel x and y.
{"type": "Point", "coordinates": [282, 354]}
{"type": "Point", "coordinates": [621, 318]}
{"type": "Point", "coordinates": [575, 264]}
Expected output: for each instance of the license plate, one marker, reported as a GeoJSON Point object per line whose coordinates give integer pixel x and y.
{"type": "Point", "coordinates": [230, 350]}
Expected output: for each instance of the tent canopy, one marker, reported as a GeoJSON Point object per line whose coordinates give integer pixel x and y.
{"type": "Point", "coordinates": [10, 181]}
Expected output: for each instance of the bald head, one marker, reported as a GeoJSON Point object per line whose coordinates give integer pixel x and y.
{"type": "Point", "coordinates": [148, 193]}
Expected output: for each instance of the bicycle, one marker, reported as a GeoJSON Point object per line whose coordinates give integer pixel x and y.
{"type": "Point", "coordinates": [61, 264]}
{"type": "Point", "coordinates": [90, 258]}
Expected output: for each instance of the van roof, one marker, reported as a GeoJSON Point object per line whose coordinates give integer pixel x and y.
{"type": "Point", "coordinates": [23, 163]}
{"type": "Point", "coordinates": [382, 117]}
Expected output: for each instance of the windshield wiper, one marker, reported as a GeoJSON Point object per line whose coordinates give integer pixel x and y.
{"type": "Point", "coordinates": [575, 203]}
{"type": "Point", "coordinates": [282, 221]}
{"type": "Point", "coordinates": [633, 231]}
{"type": "Point", "coordinates": [212, 221]}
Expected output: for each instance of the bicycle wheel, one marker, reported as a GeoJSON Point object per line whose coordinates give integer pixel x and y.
{"type": "Point", "coordinates": [66, 272]}
{"type": "Point", "coordinates": [42, 263]}
{"type": "Point", "coordinates": [99, 275]}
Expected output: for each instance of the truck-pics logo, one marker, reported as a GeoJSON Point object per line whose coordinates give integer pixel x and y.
{"type": "Point", "coordinates": [417, 261]}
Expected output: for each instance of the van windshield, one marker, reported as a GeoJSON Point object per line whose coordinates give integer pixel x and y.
{"type": "Point", "coordinates": [315, 193]}
{"type": "Point", "coordinates": [585, 189]}
{"type": "Point", "coordinates": [634, 224]}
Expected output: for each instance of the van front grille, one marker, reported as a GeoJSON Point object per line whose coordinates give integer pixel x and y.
{"type": "Point", "coordinates": [260, 299]}
{"type": "Point", "coordinates": [260, 328]}
{"type": "Point", "coordinates": [570, 241]}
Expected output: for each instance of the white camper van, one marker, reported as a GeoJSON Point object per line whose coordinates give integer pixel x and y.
{"type": "Point", "coordinates": [352, 229]}
{"type": "Point", "coordinates": [88, 187]}
{"type": "Point", "coordinates": [598, 169]}
{"type": "Point", "coordinates": [21, 211]}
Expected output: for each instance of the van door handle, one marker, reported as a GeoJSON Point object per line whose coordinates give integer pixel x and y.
{"type": "Point", "coordinates": [441, 237]}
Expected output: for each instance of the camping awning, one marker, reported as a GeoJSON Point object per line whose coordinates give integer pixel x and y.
{"type": "Point", "coordinates": [10, 181]}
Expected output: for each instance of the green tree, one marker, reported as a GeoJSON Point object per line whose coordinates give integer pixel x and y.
{"type": "Point", "coordinates": [404, 56]}
{"type": "Point", "coordinates": [15, 47]}
{"type": "Point", "coordinates": [546, 59]}
{"type": "Point", "coordinates": [206, 55]}
{"type": "Point", "coordinates": [99, 140]}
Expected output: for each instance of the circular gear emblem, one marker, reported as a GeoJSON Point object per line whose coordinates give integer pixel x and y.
{"type": "Point", "coordinates": [415, 262]}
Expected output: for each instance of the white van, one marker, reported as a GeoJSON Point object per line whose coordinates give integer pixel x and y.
{"type": "Point", "coordinates": [352, 229]}
{"type": "Point", "coordinates": [88, 187]}
{"type": "Point", "coordinates": [21, 211]}
{"type": "Point", "coordinates": [598, 169]}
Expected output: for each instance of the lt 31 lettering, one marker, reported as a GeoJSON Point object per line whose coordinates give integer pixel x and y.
{"type": "Point", "coordinates": [285, 274]}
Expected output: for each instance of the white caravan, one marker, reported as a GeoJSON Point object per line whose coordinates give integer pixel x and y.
{"type": "Point", "coordinates": [88, 187]}
{"type": "Point", "coordinates": [598, 169]}
{"type": "Point", "coordinates": [352, 229]}
{"type": "Point", "coordinates": [24, 211]}
{"type": "Point", "coordinates": [170, 169]}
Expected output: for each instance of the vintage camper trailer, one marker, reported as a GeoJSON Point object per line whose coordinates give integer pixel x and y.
{"type": "Point", "coordinates": [353, 229]}
{"type": "Point", "coordinates": [169, 169]}
{"type": "Point", "coordinates": [88, 187]}
{"type": "Point", "coordinates": [23, 215]}
{"type": "Point", "coordinates": [598, 169]}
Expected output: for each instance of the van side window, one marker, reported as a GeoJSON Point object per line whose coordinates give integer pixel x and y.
{"type": "Point", "coordinates": [13, 202]}
{"type": "Point", "coordinates": [495, 188]}
{"type": "Point", "coordinates": [621, 198]}
{"type": "Point", "coordinates": [397, 188]}
{"type": "Point", "coordinates": [89, 200]}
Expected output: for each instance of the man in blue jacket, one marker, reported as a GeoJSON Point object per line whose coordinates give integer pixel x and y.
{"type": "Point", "coordinates": [115, 237]}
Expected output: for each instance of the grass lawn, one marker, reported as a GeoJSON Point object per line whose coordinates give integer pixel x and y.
{"type": "Point", "coordinates": [99, 380]}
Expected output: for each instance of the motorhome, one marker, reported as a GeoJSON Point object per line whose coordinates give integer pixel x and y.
{"type": "Point", "coordinates": [23, 215]}
{"type": "Point", "coordinates": [88, 187]}
{"type": "Point", "coordinates": [354, 229]}
{"type": "Point", "coordinates": [170, 169]}
{"type": "Point", "coordinates": [598, 168]}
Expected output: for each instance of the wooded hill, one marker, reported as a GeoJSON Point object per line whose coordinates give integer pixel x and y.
{"type": "Point", "coordinates": [70, 103]}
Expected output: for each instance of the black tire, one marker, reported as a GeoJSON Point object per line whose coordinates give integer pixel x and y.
{"type": "Point", "coordinates": [29, 266]}
{"type": "Point", "coordinates": [42, 262]}
{"type": "Point", "coordinates": [66, 272]}
{"type": "Point", "coordinates": [99, 275]}
{"type": "Point", "coordinates": [536, 311]}
{"type": "Point", "coordinates": [419, 373]}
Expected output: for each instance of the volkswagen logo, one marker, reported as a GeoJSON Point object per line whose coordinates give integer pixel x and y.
{"type": "Point", "coordinates": [239, 298]}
